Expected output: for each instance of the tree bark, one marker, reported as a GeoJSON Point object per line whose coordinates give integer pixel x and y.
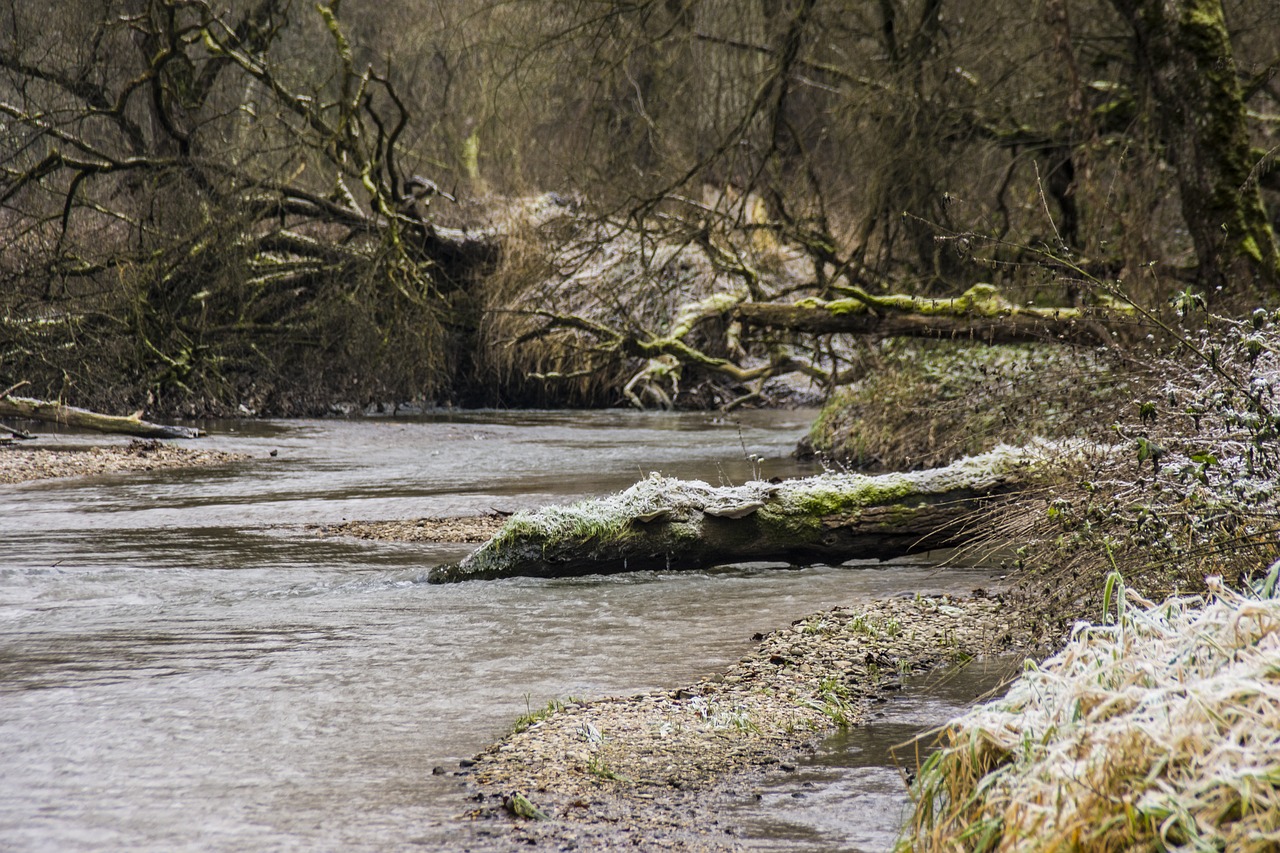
{"type": "Point", "coordinates": [44, 410]}
{"type": "Point", "coordinates": [670, 524]}
{"type": "Point", "coordinates": [1183, 51]}
{"type": "Point", "coordinates": [979, 314]}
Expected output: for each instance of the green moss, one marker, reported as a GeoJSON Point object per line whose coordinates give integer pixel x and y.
{"type": "Point", "coordinates": [1249, 247]}
{"type": "Point", "coordinates": [837, 307]}
{"type": "Point", "coordinates": [925, 404]}
{"type": "Point", "coordinates": [821, 499]}
{"type": "Point", "coordinates": [554, 526]}
{"type": "Point", "coordinates": [778, 521]}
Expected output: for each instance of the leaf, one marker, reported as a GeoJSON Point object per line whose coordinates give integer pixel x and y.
{"type": "Point", "coordinates": [520, 806]}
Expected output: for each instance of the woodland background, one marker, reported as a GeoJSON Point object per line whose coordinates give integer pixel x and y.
{"type": "Point", "coordinates": [277, 206]}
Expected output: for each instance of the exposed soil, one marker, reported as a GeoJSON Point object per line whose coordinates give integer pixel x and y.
{"type": "Point", "coordinates": [653, 771]}
{"type": "Point", "coordinates": [21, 462]}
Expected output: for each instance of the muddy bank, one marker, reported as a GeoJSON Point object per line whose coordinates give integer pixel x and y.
{"type": "Point", "coordinates": [652, 771]}
{"type": "Point", "coordinates": [21, 462]}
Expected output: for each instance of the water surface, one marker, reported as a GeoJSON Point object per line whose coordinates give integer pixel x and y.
{"type": "Point", "coordinates": [186, 665]}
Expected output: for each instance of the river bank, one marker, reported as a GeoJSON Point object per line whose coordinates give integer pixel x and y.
{"type": "Point", "coordinates": [655, 771]}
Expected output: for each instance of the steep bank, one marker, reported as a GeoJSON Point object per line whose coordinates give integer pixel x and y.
{"type": "Point", "coordinates": [921, 404]}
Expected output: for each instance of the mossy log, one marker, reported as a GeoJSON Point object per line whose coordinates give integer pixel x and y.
{"type": "Point", "coordinates": [663, 523]}
{"type": "Point", "coordinates": [45, 410]}
{"type": "Point", "coordinates": [980, 313]}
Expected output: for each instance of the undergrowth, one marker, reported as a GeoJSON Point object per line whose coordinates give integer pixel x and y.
{"type": "Point", "coordinates": [1155, 728]}
{"type": "Point", "coordinates": [1189, 487]}
{"type": "Point", "coordinates": [921, 404]}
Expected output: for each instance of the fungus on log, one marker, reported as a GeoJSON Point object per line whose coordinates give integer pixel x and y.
{"type": "Point", "coordinates": [664, 523]}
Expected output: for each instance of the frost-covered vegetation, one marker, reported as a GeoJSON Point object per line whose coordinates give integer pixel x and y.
{"type": "Point", "coordinates": [1157, 729]}
{"type": "Point", "coordinates": [1193, 489]}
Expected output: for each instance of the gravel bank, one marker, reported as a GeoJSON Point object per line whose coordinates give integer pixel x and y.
{"type": "Point", "coordinates": [21, 462]}
{"type": "Point", "coordinates": [648, 772]}
{"type": "Point", "coordinates": [470, 529]}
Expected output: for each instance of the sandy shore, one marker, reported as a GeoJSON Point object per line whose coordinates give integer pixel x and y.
{"type": "Point", "coordinates": [21, 462]}
{"type": "Point", "coordinates": [651, 771]}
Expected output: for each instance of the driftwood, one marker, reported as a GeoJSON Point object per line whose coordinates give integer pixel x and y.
{"type": "Point", "coordinates": [44, 410]}
{"type": "Point", "coordinates": [662, 523]}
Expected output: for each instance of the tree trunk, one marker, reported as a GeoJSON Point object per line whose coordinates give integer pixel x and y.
{"type": "Point", "coordinates": [43, 410]}
{"type": "Point", "coordinates": [980, 314]}
{"type": "Point", "coordinates": [667, 524]}
{"type": "Point", "coordinates": [1183, 51]}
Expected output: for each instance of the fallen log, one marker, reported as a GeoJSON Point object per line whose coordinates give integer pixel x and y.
{"type": "Point", "coordinates": [980, 313]}
{"type": "Point", "coordinates": [51, 412]}
{"type": "Point", "coordinates": [664, 523]}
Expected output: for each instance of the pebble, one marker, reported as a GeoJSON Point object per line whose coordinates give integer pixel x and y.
{"type": "Point", "coordinates": [21, 463]}
{"type": "Point", "coordinates": [714, 738]}
{"type": "Point", "coordinates": [467, 528]}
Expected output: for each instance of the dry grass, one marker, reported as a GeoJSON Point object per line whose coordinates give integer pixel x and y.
{"type": "Point", "coordinates": [1189, 489]}
{"type": "Point", "coordinates": [1158, 729]}
{"type": "Point", "coordinates": [920, 404]}
{"type": "Point", "coordinates": [606, 283]}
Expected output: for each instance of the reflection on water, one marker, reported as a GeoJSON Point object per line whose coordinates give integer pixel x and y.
{"type": "Point", "coordinates": [183, 665]}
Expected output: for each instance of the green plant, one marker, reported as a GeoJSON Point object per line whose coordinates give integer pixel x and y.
{"type": "Point", "coordinates": [597, 766]}
{"type": "Point", "coordinates": [817, 625]}
{"type": "Point", "coordinates": [532, 716]}
{"type": "Point", "coordinates": [834, 699]}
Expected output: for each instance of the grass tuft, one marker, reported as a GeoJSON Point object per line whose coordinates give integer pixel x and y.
{"type": "Point", "coordinates": [1158, 728]}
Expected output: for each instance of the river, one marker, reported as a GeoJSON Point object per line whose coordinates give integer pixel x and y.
{"type": "Point", "coordinates": [186, 665]}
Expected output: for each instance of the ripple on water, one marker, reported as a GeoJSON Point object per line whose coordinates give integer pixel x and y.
{"type": "Point", "coordinates": [184, 666]}
{"type": "Point", "coordinates": [851, 795]}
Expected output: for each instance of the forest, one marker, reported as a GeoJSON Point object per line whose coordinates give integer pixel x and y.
{"type": "Point", "coordinates": [1023, 256]}
{"type": "Point", "coordinates": [281, 207]}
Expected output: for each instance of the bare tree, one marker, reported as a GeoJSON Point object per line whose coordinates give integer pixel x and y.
{"type": "Point", "coordinates": [208, 187]}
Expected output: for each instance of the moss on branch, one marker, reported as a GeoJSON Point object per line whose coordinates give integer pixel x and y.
{"type": "Point", "coordinates": [980, 312]}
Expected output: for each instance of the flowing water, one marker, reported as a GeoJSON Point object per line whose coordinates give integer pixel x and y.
{"type": "Point", "coordinates": [186, 665]}
{"type": "Point", "coordinates": [849, 797]}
